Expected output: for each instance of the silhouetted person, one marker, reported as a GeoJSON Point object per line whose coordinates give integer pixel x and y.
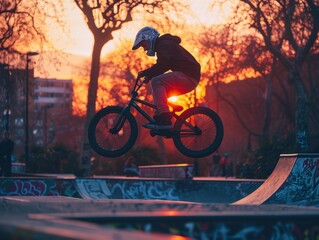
{"type": "Point", "coordinates": [6, 150]}
{"type": "Point", "coordinates": [224, 162]}
{"type": "Point", "coordinates": [130, 168]}
{"type": "Point", "coordinates": [175, 72]}
{"type": "Point", "coordinates": [215, 166]}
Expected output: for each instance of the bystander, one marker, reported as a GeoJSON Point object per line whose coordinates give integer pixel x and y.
{"type": "Point", "coordinates": [6, 150]}
{"type": "Point", "coordinates": [130, 168]}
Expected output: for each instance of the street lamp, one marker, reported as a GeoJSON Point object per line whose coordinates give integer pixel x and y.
{"type": "Point", "coordinates": [29, 54]}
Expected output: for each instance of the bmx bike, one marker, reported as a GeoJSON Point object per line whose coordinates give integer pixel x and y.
{"type": "Point", "coordinates": [197, 132]}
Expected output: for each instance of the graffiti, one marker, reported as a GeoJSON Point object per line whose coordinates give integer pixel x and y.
{"type": "Point", "coordinates": [29, 188]}
{"type": "Point", "coordinates": [222, 231]}
{"type": "Point", "coordinates": [197, 191]}
{"type": "Point", "coordinates": [25, 188]}
{"type": "Point", "coordinates": [95, 189]}
{"type": "Point", "coordinates": [67, 188]}
{"type": "Point", "coordinates": [37, 187]}
{"type": "Point", "coordinates": [312, 167]}
{"type": "Point", "coordinates": [145, 190]}
{"type": "Point", "coordinates": [283, 231]}
{"type": "Point", "coordinates": [301, 187]}
{"type": "Point", "coordinates": [103, 189]}
{"type": "Point", "coordinates": [182, 190]}
{"type": "Point", "coordinates": [229, 230]}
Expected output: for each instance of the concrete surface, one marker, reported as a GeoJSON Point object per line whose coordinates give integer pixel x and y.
{"type": "Point", "coordinates": [285, 206]}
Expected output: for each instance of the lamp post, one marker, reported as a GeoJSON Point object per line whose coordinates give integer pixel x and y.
{"type": "Point", "coordinates": [29, 54]}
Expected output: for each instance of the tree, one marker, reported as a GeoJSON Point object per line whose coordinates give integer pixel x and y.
{"type": "Point", "coordinates": [290, 33]}
{"type": "Point", "coordinates": [14, 19]}
{"type": "Point", "coordinates": [267, 36]}
{"type": "Point", "coordinates": [103, 18]}
{"type": "Point", "coordinates": [22, 29]}
{"type": "Point", "coordinates": [22, 23]}
{"type": "Point", "coordinates": [232, 56]}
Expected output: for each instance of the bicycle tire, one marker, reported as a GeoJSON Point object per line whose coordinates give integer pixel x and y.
{"type": "Point", "coordinates": [204, 144]}
{"type": "Point", "coordinates": [103, 141]}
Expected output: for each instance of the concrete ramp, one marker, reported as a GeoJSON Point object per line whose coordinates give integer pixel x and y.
{"type": "Point", "coordinates": [196, 190]}
{"type": "Point", "coordinates": [294, 181]}
{"type": "Point", "coordinates": [204, 190]}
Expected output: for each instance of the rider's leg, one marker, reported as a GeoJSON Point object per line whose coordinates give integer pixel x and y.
{"type": "Point", "coordinates": [164, 86]}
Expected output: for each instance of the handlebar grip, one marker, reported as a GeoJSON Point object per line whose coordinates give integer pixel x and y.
{"type": "Point", "coordinates": [146, 80]}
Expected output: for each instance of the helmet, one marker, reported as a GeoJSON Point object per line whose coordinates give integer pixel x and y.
{"type": "Point", "coordinates": [148, 34]}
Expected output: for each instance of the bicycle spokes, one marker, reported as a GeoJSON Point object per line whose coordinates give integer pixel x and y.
{"type": "Point", "coordinates": [111, 132]}
{"type": "Point", "coordinates": [118, 124]}
{"type": "Point", "coordinates": [199, 136]}
{"type": "Point", "coordinates": [189, 128]}
{"type": "Point", "coordinates": [201, 132]}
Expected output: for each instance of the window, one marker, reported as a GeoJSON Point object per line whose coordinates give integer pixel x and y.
{"type": "Point", "coordinates": [39, 122]}
{"type": "Point", "coordinates": [18, 122]}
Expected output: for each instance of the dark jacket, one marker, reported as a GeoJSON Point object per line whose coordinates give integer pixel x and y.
{"type": "Point", "coordinates": [172, 56]}
{"type": "Point", "coordinates": [6, 147]}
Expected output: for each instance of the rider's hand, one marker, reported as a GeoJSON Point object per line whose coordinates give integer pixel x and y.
{"type": "Point", "coordinates": [146, 79]}
{"type": "Point", "coordinates": [141, 74]}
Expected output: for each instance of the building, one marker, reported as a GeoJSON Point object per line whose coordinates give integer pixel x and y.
{"type": "Point", "coordinates": [52, 107]}
{"type": "Point", "coordinates": [52, 93]}
{"type": "Point", "coordinates": [13, 104]}
{"type": "Point", "coordinates": [49, 108]}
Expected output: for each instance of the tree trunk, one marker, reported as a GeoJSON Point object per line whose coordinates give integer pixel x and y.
{"type": "Point", "coordinates": [268, 96]}
{"type": "Point", "coordinates": [302, 112]}
{"type": "Point", "coordinates": [86, 151]}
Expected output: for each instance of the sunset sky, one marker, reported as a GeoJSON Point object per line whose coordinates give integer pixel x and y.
{"type": "Point", "coordinates": [80, 40]}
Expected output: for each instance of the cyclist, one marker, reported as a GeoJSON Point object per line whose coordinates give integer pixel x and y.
{"type": "Point", "coordinates": [183, 75]}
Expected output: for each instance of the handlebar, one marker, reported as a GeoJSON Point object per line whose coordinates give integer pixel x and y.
{"type": "Point", "coordinates": [145, 80]}
{"type": "Point", "coordinates": [138, 83]}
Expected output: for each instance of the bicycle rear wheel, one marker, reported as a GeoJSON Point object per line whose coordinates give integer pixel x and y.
{"type": "Point", "coordinates": [207, 136]}
{"type": "Point", "coordinates": [101, 138]}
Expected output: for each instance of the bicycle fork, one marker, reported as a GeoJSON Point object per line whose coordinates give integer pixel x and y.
{"type": "Point", "coordinates": [120, 121]}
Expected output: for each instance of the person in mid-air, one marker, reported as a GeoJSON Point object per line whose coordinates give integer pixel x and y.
{"type": "Point", "coordinates": [175, 72]}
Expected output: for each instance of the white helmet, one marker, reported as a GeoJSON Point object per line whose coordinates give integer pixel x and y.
{"type": "Point", "coordinates": [148, 34]}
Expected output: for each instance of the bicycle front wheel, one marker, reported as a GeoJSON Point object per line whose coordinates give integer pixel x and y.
{"type": "Point", "coordinates": [199, 131]}
{"type": "Point", "coordinates": [106, 142]}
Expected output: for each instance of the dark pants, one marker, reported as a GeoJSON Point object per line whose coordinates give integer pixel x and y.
{"type": "Point", "coordinates": [224, 170]}
{"type": "Point", "coordinates": [6, 165]}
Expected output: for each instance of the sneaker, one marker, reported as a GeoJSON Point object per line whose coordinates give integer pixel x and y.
{"type": "Point", "coordinates": [162, 121]}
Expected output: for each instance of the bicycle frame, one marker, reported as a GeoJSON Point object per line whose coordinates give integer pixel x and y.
{"type": "Point", "coordinates": [193, 130]}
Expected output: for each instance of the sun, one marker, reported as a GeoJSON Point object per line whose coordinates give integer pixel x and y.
{"type": "Point", "coordinates": [173, 99]}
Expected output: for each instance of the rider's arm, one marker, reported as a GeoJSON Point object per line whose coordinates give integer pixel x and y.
{"type": "Point", "coordinates": [163, 63]}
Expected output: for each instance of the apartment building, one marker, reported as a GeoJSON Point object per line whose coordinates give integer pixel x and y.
{"type": "Point", "coordinates": [52, 107]}
{"type": "Point", "coordinates": [49, 108]}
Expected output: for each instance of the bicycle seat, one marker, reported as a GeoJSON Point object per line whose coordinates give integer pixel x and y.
{"type": "Point", "coordinates": [176, 108]}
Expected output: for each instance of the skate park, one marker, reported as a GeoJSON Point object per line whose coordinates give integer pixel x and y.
{"type": "Point", "coordinates": [176, 207]}
{"type": "Point", "coordinates": [232, 77]}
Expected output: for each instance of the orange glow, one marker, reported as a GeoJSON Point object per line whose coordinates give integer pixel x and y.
{"type": "Point", "coordinates": [176, 237]}
{"type": "Point", "coordinates": [77, 39]}
{"type": "Point", "coordinates": [173, 99]}
{"type": "Point", "coordinates": [171, 213]}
